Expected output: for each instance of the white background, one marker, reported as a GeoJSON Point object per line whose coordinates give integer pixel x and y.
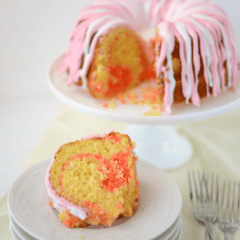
{"type": "Point", "coordinates": [32, 34]}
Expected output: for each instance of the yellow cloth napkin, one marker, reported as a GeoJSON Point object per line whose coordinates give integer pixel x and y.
{"type": "Point", "coordinates": [215, 144]}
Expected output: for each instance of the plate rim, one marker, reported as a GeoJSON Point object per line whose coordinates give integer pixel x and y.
{"type": "Point", "coordinates": [14, 234]}
{"type": "Point", "coordinates": [176, 227]}
{"type": "Point", "coordinates": [14, 227]}
{"type": "Point", "coordinates": [153, 120]}
{"type": "Point", "coordinates": [169, 235]}
{"type": "Point", "coordinates": [46, 162]}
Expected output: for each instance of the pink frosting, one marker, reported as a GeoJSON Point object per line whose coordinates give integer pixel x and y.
{"type": "Point", "coordinates": [98, 136]}
{"type": "Point", "coordinates": [187, 20]}
{"type": "Point", "coordinates": [93, 136]}
{"type": "Point", "coordinates": [94, 21]}
{"type": "Point", "coordinates": [61, 203]}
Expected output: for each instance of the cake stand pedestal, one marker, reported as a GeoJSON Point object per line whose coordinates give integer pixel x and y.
{"type": "Point", "coordinates": [157, 141]}
{"type": "Point", "coordinates": [160, 145]}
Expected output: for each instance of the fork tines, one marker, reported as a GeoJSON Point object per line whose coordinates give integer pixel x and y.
{"type": "Point", "coordinates": [204, 187]}
{"type": "Point", "coordinates": [230, 201]}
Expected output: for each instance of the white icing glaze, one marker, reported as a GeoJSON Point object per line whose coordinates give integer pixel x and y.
{"type": "Point", "coordinates": [190, 21]}
{"type": "Point", "coordinates": [207, 22]}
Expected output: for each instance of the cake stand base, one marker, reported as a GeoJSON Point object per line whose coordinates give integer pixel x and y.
{"type": "Point", "coordinates": [160, 145]}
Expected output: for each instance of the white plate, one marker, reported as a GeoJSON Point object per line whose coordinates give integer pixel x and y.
{"type": "Point", "coordinates": [160, 206]}
{"type": "Point", "coordinates": [82, 101]}
{"type": "Point", "coordinates": [14, 234]}
{"type": "Point", "coordinates": [170, 234]}
{"type": "Point", "coordinates": [171, 231]}
{"type": "Point", "coordinates": [175, 234]}
{"type": "Point", "coordinates": [179, 235]}
{"type": "Point", "coordinates": [20, 232]}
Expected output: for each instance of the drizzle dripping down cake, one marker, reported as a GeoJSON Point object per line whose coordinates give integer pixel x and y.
{"type": "Point", "coordinates": [189, 49]}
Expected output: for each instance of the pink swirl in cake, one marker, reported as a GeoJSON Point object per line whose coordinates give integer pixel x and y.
{"type": "Point", "coordinates": [95, 21]}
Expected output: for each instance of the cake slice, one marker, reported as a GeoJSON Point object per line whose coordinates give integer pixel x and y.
{"type": "Point", "coordinates": [94, 180]}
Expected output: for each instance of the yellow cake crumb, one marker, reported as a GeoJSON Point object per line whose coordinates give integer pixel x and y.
{"type": "Point", "coordinates": [112, 105]}
{"type": "Point", "coordinates": [147, 96]}
{"type": "Point", "coordinates": [153, 113]}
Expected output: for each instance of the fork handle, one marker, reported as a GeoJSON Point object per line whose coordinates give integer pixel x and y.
{"type": "Point", "coordinates": [211, 231]}
{"type": "Point", "coordinates": [206, 234]}
{"type": "Point", "coordinates": [227, 236]}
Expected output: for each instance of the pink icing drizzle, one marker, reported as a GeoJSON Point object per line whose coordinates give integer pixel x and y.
{"type": "Point", "coordinates": [183, 19]}
{"type": "Point", "coordinates": [98, 136]}
{"type": "Point", "coordinates": [209, 22]}
{"type": "Point", "coordinates": [98, 17]}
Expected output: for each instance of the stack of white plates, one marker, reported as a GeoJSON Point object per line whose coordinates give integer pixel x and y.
{"type": "Point", "coordinates": [158, 215]}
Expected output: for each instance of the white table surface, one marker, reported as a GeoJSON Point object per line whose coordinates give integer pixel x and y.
{"type": "Point", "coordinates": [32, 34]}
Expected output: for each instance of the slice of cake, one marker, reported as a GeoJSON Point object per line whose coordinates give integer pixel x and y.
{"type": "Point", "coordinates": [94, 180]}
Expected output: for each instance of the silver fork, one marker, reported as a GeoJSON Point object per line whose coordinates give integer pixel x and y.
{"type": "Point", "coordinates": [228, 221]}
{"type": "Point", "coordinates": [204, 196]}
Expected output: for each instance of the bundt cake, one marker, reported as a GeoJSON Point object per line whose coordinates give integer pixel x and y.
{"type": "Point", "coordinates": [94, 180]}
{"type": "Point", "coordinates": [189, 49]}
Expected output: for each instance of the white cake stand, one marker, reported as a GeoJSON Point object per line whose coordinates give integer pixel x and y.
{"type": "Point", "coordinates": [157, 141]}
